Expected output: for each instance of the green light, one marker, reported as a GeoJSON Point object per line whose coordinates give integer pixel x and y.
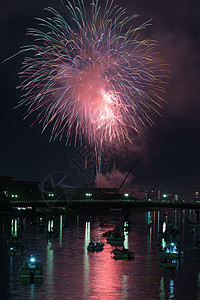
{"type": "Point", "coordinates": [164, 195]}
{"type": "Point", "coordinates": [88, 194]}
{"type": "Point", "coordinates": [14, 196]}
{"type": "Point", "coordinates": [126, 195]}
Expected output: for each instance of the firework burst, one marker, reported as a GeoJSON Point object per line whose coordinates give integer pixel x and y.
{"type": "Point", "coordinates": [90, 78]}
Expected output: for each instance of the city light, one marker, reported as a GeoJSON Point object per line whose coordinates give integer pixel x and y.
{"type": "Point", "coordinates": [51, 195]}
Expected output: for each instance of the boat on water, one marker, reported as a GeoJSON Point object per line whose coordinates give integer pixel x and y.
{"type": "Point", "coordinates": [168, 262]}
{"type": "Point", "coordinates": [15, 246]}
{"type": "Point", "coordinates": [171, 233]}
{"type": "Point", "coordinates": [172, 250]}
{"type": "Point", "coordinates": [107, 233]}
{"type": "Point", "coordinates": [116, 237]}
{"type": "Point", "coordinates": [32, 269]}
{"type": "Point", "coordinates": [97, 246]}
{"type": "Point", "coordinates": [115, 232]}
{"type": "Point", "coordinates": [123, 254]}
{"type": "Point", "coordinates": [18, 249]}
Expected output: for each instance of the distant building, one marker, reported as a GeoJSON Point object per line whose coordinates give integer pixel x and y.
{"type": "Point", "coordinates": [154, 195]}
{"type": "Point", "coordinates": [196, 195]}
{"type": "Point", "coordinates": [20, 190]}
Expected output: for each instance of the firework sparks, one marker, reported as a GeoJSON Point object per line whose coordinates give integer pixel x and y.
{"type": "Point", "coordinates": [91, 79]}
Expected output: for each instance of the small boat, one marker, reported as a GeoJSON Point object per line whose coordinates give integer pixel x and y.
{"type": "Point", "coordinates": [123, 254]}
{"type": "Point", "coordinates": [172, 250]}
{"type": "Point", "coordinates": [168, 262]}
{"type": "Point", "coordinates": [97, 246]}
{"type": "Point", "coordinates": [115, 237]}
{"type": "Point", "coordinates": [31, 268]}
{"type": "Point", "coordinates": [17, 249]}
{"type": "Point", "coordinates": [107, 233]}
{"type": "Point", "coordinates": [171, 233]}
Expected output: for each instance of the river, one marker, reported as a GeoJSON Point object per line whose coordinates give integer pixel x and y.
{"type": "Point", "coordinates": [72, 272]}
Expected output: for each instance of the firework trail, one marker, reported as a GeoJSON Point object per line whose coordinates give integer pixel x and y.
{"type": "Point", "coordinates": [91, 79]}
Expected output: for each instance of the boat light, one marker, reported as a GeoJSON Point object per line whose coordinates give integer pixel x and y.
{"type": "Point", "coordinates": [173, 261]}
{"type": "Point", "coordinates": [32, 259]}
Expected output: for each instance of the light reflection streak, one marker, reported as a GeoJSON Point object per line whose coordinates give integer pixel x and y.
{"type": "Point", "coordinates": [154, 223]}
{"type": "Point", "coordinates": [179, 219]}
{"type": "Point", "coordinates": [163, 243]}
{"type": "Point", "coordinates": [198, 280]}
{"type": "Point", "coordinates": [125, 286]}
{"type": "Point", "coordinates": [49, 266]}
{"type": "Point", "coordinates": [164, 227]}
{"type": "Point", "coordinates": [14, 227]}
{"type": "Point", "coordinates": [148, 217]}
{"type": "Point", "coordinates": [171, 289]}
{"type": "Point", "coordinates": [86, 260]}
{"type": "Point", "coordinates": [175, 217]}
{"type": "Point", "coordinates": [183, 217]}
{"type": "Point", "coordinates": [11, 275]}
{"type": "Point", "coordinates": [150, 238]}
{"type": "Point", "coordinates": [32, 291]}
{"type": "Point", "coordinates": [162, 289]}
{"type": "Point", "coordinates": [15, 231]}
{"type": "Point", "coordinates": [198, 284]}
{"type": "Point", "coordinates": [77, 221]}
{"type": "Point", "coordinates": [50, 225]}
{"type": "Point", "coordinates": [166, 217]}
{"type": "Point", "coordinates": [125, 235]}
{"type": "Point", "coordinates": [11, 264]}
{"type": "Point", "coordinates": [61, 227]}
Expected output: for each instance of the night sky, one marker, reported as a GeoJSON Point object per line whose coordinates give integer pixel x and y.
{"type": "Point", "coordinates": [170, 150]}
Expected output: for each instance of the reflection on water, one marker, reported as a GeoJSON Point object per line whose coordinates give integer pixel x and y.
{"type": "Point", "coordinates": [86, 259]}
{"type": "Point", "coordinates": [125, 235]}
{"type": "Point", "coordinates": [71, 272]}
{"type": "Point", "coordinates": [171, 289]}
{"type": "Point", "coordinates": [61, 228]}
{"type": "Point", "coordinates": [49, 264]}
{"type": "Point", "coordinates": [14, 227]}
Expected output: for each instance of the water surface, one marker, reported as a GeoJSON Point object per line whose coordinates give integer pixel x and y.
{"type": "Point", "coordinates": [71, 272]}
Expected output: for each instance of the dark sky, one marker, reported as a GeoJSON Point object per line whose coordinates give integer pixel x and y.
{"type": "Point", "coordinates": [170, 150]}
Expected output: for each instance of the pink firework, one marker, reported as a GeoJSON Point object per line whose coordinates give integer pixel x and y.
{"type": "Point", "coordinates": [91, 79]}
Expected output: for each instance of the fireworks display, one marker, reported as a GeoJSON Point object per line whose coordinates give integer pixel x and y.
{"type": "Point", "coordinates": [89, 77]}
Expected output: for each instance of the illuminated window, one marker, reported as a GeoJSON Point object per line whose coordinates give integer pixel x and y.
{"type": "Point", "coordinates": [88, 194]}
